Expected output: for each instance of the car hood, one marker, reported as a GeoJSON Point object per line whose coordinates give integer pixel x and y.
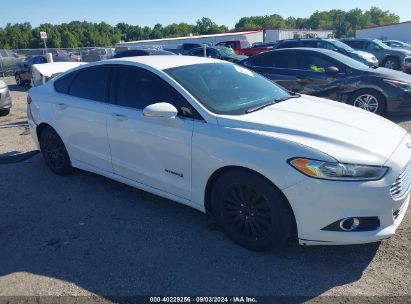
{"type": "Point", "coordinates": [390, 74]}
{"type": "Point", "coordinates": [363, 54]}
{"type": "Point", "coordinates": [347, 134]}
{"type": "Point", "coordinates": [402, 51]}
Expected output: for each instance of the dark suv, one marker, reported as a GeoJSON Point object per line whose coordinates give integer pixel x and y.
{"type": "Point", "coordinates": [327, 74]}
{"type": "Point", "coordinates": [388, 57]}
{"type": "Point", "coordinates": [329, 44]}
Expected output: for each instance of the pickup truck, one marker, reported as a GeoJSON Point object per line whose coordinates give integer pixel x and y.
{"type": "Point", "coordinates": [243, 47]}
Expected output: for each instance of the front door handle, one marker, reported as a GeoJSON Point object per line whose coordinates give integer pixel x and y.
{"type": "Point", "coordinates": [62, 106]}
{"type": "Point", "coordinates": [120, 117]}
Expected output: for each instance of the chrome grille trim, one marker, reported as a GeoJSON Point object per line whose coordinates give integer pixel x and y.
{"type": "Point", "coordinates": [402, 184]}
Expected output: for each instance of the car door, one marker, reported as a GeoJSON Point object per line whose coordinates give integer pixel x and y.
{"type": "Point", "coordinates": [81, 116]}
{"type": "Point", "coordinates": [155, 152]}
{"type": "Point", "coordinates": [278, 66]}
{"type": "Point", "coordinates": [314, 77]}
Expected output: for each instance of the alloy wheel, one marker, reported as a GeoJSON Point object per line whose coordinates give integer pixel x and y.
{"type": "Point", "coordinates": [390, 64]}
{"type": "Point", "coordinates": [367, 102]}
{"type": "Point", "coordinates": [54, 151]}
{"type": "Point", "coordinates": [18, 80]}
{"type": "Point", "coordinates": [247, 212]}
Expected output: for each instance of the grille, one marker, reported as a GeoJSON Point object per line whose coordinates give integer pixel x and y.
{"type": "Point", "coordinates": [402, 184]}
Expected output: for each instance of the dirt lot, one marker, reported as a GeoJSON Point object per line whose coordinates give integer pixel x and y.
{"type": "Point", "coordinates": [84, 234]}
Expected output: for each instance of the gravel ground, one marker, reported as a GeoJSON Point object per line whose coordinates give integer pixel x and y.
{"type": "Point", "coordinates": [94, 236]}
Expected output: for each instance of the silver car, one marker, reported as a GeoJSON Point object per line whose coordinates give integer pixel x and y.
{"type": "Point", "coordinates": [5, 99]}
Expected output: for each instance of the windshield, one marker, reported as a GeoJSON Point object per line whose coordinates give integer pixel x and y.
{"type": "Point", "coordinates": [343, 46]}
{"type": "Point", "coordinates": [225, 88]}
{"type": "Point", "coordinates": [384, 46]}
{"type": "Point", "coordinates": [348, 61]}
{"type": "Point", "coordinates": [225, 51]}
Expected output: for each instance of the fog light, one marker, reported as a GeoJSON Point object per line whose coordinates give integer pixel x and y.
{"type": "Point", "coordinates": [349, 224]}
{"type": "Point", "coordinates": [354, 224]}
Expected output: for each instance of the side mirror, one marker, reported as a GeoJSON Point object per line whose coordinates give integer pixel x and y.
{"type": "Point", "coordinates": [160, 110]}
{"type": "Point", "coordinates": [332, 70]}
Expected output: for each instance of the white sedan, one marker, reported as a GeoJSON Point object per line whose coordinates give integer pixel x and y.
{"type": "Point", "coordinates": [265, 164]}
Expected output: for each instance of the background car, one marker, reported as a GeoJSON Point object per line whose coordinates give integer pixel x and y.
{"type": "Point", "coordinates": [329, 44]}
{"type": "Point", "coordinates": [8, 61]}
{"type": "Point", "coordinates": [328, 74]}
{"type": "Point", "coordinates": [243, 47]}
{"type": "Point", "coordinates": [141, 52]}
{"type": "Point", "coordinates": [218, 52]}
{"type": "Point", "coordinates": [388, 57]}
{"type": "Point", "coordinates": [5, 99]}
{"type": "Point", "coordinates": [97, 54]}
{"type": "Point", "coordinates": [22, 74]}
{"type": "Point", "coordinates": [396, 44]}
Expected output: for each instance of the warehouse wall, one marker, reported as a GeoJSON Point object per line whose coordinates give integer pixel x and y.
{"type": "Point", "coordinates": [401, 31]}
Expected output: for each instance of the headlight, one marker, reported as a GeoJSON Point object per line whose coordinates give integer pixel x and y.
{"type": "Point", "coordinates": [399, 84]}
{"type": "Point", "coordinates": [337, 171]}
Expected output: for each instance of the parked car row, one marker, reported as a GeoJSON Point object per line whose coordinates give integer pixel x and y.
{"type": "Point", "coordinates": [265, 164]}
{"type": "Point", "coordinates": [325, 73]}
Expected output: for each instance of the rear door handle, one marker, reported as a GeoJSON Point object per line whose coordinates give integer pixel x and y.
{"type": "Point", "coordinates": [119, 117]}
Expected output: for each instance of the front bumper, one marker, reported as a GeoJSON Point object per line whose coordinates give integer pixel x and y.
{"type": "Point", "coordinates": [5, 98]}
{"type": "Point", "coordinates": [319, 203]}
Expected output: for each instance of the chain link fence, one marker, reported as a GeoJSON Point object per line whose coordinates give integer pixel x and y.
{"type": "Point", "coordinates": [10, 60]}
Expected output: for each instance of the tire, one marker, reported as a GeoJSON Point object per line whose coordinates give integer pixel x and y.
{"type": "Point", "coordinates": [54, 152]}
{"type": "Point", "coordinates": [4, 112]}
{"type": "Point", "coordinates": [251, 211]}
{"type": "Point", "coordinates": [19, 82]}
{"type": "Point", "coordinates": [392, 63]}
{"type": "Point", "coordinates": [369, 100]}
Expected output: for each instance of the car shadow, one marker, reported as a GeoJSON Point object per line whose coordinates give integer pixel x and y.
{"type": "Point", "coordinates": [16, 88]}
{"type": "Point", "coordinates": [400, 118]}
{"type": "Point", "coordinates": [117, 241]}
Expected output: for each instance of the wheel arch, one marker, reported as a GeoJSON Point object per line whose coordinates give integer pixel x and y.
{"type": "Point", "coordinates": [220, 172]}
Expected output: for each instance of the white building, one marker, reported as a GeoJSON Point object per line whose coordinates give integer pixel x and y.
{"type": "Point", "coordinates": [275, 34]}
{"type": "Point", "coordinates": [398, 31]}
{"type": "Point", "coordinates": [250, 36]}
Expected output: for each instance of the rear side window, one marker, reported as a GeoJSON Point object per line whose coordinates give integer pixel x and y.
{"type": "Point", "coordinates": [91, 83]}
{"type": "Point", "coordinates": [355, 44]}
{"type": "Point", "coordinates": [63, 83]}
{"type": "Point", "coordinates": [279, 60]}
{"type": "Point", "coordinates": [289, 44]}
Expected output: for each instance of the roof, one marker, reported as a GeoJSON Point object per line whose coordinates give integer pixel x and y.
{"type": "Point", "coordinates": [166, 61]}
{"type": "Point", "coordinates": [282, 29]}
{"type": "Point", "coordinates": [192, 37]}
{"type": "Point", "coordinates": [384, 25]}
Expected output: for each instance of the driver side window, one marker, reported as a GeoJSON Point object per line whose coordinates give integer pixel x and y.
{"type": "Point", "coordinates": [373, 46]}
{"type": "Point", "coordinates": [136, 88]}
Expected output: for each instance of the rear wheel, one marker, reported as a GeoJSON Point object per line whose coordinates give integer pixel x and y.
{"type": "Point", "coordinates": [392, 63]}
{"type": "Point", "coordinates": [4, 112]}
{"type": "Point", "coordinates": [251, 211]}
{"type": "Point", "coordinates": [18, 80]}
{"type": "Point", "coordinates": [369, 100]}
{"type": "Point", "coordinates": [54, 152]}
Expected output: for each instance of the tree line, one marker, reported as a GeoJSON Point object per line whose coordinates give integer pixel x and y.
{"type": "Point", "coordinates": [87, 34]}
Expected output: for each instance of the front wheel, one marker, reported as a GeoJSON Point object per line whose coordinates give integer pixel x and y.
{"type": "Point", "coordinates": [54, 152]}
{"type": "Point", "coordinates": [369, 100]}
{"type": "Point", "coordinates": [251, 211]}
{"type": "Point", "coordinates": [19, 82]}
{"type": "Point", "coordinates": [392, 63]}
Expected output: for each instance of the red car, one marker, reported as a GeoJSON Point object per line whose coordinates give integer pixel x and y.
{"type": "Point", "coordinates": [243, 47]}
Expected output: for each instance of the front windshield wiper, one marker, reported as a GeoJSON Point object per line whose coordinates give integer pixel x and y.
{"type": "Point", "coordinates": [294, 95]}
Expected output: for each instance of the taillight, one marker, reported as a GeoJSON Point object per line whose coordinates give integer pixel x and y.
{"type": "Point", "coordinates": [29, 100]}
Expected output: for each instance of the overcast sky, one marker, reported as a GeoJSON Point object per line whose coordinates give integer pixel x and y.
{"type": "Point", "coordinates": [226, 12]}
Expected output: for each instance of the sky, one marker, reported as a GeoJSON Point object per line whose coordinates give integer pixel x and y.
{"type": "Point", "coordinates": [150, 12]}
